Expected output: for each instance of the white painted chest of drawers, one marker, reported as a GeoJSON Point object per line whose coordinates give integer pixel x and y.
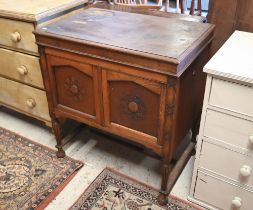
{"type": "Point", "coordinates": [223, 168]}
{"type": "Point", "coordinates": [21, 84]}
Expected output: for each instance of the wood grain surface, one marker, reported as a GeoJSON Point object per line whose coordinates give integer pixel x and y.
{"type": "Point", "coordinates": [27, 39]}
{"type": "Point", "coordinates": [147, 77]}
{"type": "Point", "coordinates": [18, 96]}
{"type": "Point", "coordinates": [10, 63]}
{"type": "Point", "coordinates": [156, 42]}
{"type": "Point", "coordinates": [156, 35]}
{"type": "Point", "coordinates": [30, 10]}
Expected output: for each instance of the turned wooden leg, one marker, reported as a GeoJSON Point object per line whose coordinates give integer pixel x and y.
{"type": "Point", "coordinates": [58, 135]}
{"type": "Point", "coordinates": [163, 196]}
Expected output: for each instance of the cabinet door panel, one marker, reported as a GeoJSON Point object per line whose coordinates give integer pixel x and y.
{"type": "Point", "coordinates": [133, 104]}
{"type": "Point", "coordinates": [74, 85]}
{"type": "Point", "coordinates": [75, 89]}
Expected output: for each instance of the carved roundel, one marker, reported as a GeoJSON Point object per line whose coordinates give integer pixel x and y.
{"type": "Point", "coordinates": [133, 106]}
{"type": "Point", "coordinates": [73, 88]}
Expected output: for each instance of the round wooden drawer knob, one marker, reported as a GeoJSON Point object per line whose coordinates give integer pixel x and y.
{"type": "Point", "coordinates": [133, 106]}
{"type": "Point", "coordinates": [15, 36]}
{"type": "Point", "coordinates": [31, 103]}
{"type": "Point", "coordinates": [245, 171]}
{"type": "Point", "coordinates": [251, 139]}
{"type": "Point", "coordinates": [22, 70]}
{"type": "Point", "coordinates": [237, 202]}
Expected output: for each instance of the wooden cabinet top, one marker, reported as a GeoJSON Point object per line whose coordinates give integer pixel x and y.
{"type": "Point", "coordinates": [234, 59]}
{"type": "Point", "coordinates": [34, 10]}
{"type": "Point", "coordinates": [169, 41]}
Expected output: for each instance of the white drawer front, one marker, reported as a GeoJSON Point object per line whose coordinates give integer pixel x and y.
{"type": "Point", "coordinates": [22, 67]}
{"type": "Point", "coordinates": [17, 35]}
{"type": "Point", "coordinates": [227, 163]}
{"type": "Point", "coordinates": [24, 98]}
{"type": "Point", "coordinates": [232, 96]}
{"type": "Point", "coordinates": [220, 194]}
{"type": "Point", "coordinates": [230, 129]}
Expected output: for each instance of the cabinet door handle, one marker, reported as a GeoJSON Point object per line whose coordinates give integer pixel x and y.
{"type": "Point", "coordinates": [237, 202]}
{"type": "Point", "coordinates": [22, 70]}
{"type": "Point", "coordinates": [245, 171]}
{"type": "Point", "coordinates": [15, 36]}
{"type": "Point", "coordinates": [31, 103]}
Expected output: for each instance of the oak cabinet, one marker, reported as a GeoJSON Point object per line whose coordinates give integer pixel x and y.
{"type": "Point", "coordinates": [148, 90]}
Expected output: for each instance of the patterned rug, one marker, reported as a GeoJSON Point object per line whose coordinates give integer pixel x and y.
{"type": "Point", "coordinates": [115, 191]}
{"type": "Point", "coordinates": [30, 174]}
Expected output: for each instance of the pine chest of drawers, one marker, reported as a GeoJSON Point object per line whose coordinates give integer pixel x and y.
{"type": "Point", "coordinates": [21, 83]}
{"type": "Point", "coordinates": [141, 80]}
{"type": "Point", "coordinates": [222, 177]}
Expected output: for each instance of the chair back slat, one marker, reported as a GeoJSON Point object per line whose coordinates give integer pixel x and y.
{"type": "Point", "coordinates": [192, 7]}
{"type": "Point", "coordinates": [139, 4]}
{"type": "Point", "coordinates": [144, 4]}
{"type": "Point", "coordinates": [199, 7]}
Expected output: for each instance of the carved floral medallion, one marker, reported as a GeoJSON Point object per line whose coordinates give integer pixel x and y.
{"type": "Point", "coordinates": [74, 88]}
{"type": "Point", "coordinates": [133, 106]}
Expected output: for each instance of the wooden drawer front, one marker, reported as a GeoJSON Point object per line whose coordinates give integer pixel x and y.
{"type": "Point", "coordinates": [232, 96]}
{"type": "Point", "coordinates": [230, 129]}
{"type": "Point", "coordinates": [24, 98]}
{"type": "Point", "coordinates": [21, 67]}
{"type": "Point", "coordinates": [226, 162]}
{"type": "Point", "coordinates": [220, 194]}
{"type": "Point", "coordinates": [74, 85]}
{"type": "Point", "coordinates": [132, 102]}
{"type": "Point", "coordinates": [17, 35]}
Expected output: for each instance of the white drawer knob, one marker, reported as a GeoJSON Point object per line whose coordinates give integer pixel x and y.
{"type": "Point", "coordinates": [237, 202]}
{"type": "Point", "coordinates": [22, 70]}
{"type": "Point", "coordinates": [15, 36]}
{"type": "Point", "coordinates": [245, 171]}
{"type": "Point", "coordinates": [251, 139]}
{"type": "Point", "coordinates": [31, 103]}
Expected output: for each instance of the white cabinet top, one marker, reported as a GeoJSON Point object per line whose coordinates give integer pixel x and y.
{"type": "Point", "coordinates": [34, 10]}
{"type": "Point", "coordinates": [234, 60]}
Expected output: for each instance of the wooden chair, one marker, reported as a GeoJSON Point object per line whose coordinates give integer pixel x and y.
{"type": "Point", "coordinates": [192, 8]}
{"type": "Point", "coordinates": [143, 4]}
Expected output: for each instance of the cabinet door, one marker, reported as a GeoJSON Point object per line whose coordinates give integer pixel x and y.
{"type": "Point", "coordinates": [75, 88]}
{"type": "Point", "coordinates": [133, 106]}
